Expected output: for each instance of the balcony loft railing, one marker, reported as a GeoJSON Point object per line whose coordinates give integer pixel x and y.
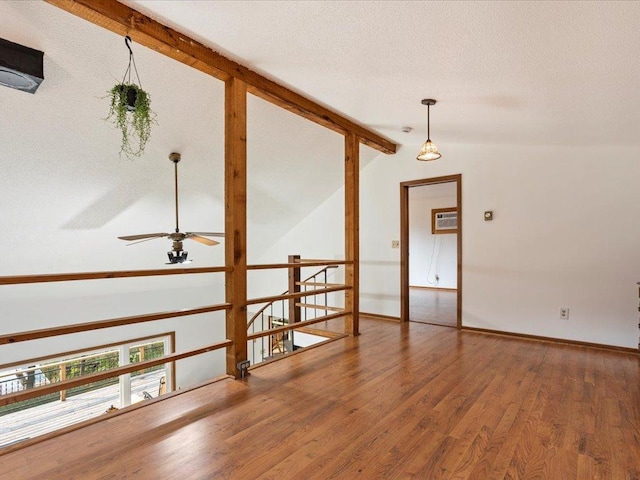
{"type": "Point", "coordinates": [308, 295]}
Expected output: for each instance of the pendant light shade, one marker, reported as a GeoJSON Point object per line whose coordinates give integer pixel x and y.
{"type": "Point", "coordinates": [429, 151]}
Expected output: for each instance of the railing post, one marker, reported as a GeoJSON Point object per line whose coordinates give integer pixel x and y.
{"type": "Point", "coordinates": [294, 287]}
{"type": "Point", "coordinates": [235, 193]}
{"type": "Point", "coordinates": [352, 233]}
{"type": "Point", "coordinates": [63, 376]}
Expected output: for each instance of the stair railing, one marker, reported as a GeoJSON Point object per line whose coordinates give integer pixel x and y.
{"type": "Point", "coordinates": [272, 315]}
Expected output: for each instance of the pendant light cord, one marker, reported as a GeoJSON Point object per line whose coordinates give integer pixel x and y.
{"type": "Point", "coordinates": [132, 60]}
{"type": "Point", "coordinates": [428, 125]}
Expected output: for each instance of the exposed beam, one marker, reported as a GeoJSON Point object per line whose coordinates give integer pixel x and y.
{"type": "Point", "coordinates": [352, 233]}
{"type": "Point", "coordinates": [124, 20]}
{"type": "Point", "coordinates": [235, 200]}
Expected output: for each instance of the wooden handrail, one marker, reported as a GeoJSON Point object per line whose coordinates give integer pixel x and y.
{"type": "Point", "coordinates": [257, 314]}
{"type": "Point", "coordinates": [41, 360]}
{"type": "Point", "coordinates": [328, 263]}
{"type": "Point", "coordinates": [313, 260]}
{"type": "Point", "coordinates": [114, 372]}
{"type": "Point", "coordinates": [294, 326]}
{"type": "Point", "coordinates": [114, 322]}
{"type": "Point", "coordinates": [320, 307]}
{"type": "Point", "coordinates": [308, 293]}
{"type": "Point", "coordinates": [60, 362]}
{"type": "Point", "coordinates": [318, 284]}
{"type": "Point", "coordinates": [68, 277]}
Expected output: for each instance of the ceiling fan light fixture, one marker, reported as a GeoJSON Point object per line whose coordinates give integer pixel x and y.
{"type": "Point", "coordinates": [429, 151]}
{"type": "Point", "coordinates": [177, 257]}
{"type": "Point", "coordinates": [176, 254]}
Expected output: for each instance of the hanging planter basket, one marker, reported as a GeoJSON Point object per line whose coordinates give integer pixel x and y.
{"type": "Point", "coordinates": [128, 95]}
{"type": "Point", "coordinates": [130, 111]}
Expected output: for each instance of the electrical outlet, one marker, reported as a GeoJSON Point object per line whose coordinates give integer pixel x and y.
{"type": "Point", "coordinates": [564, 313]}
{"type": "Point", "coordinates": [395, 243]}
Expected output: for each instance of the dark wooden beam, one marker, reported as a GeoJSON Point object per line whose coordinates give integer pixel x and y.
{"type": "Point", "coordinates": [123, 20]}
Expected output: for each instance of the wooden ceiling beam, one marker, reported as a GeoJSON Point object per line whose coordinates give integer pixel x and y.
{"type": "Point", "coordinates": [123, 20]}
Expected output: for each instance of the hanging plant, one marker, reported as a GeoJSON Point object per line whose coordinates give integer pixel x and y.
{"type": "Point", "coordinates": [130, 111]}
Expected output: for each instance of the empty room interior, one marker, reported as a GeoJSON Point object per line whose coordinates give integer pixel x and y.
{"type": "Point", "coordinates": [312, 240]}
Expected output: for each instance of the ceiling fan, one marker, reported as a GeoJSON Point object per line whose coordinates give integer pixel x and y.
{"type": "Point", "coordinates": [176, 254]}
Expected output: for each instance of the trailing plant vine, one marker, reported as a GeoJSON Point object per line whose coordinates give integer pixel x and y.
{"type": "Point", "coordinates": [130, 110]}
{"type": "Point", "coordinates": [133, 122]}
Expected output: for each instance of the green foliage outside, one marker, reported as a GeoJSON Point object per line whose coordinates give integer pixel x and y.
{"type": "Point", "coordinates": [80, 367]}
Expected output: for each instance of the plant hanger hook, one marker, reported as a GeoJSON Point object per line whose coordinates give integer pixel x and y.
{"type": "Point", "coordinates": [127, 39]}
{"type": "Point", "coordinates": [132, 60]}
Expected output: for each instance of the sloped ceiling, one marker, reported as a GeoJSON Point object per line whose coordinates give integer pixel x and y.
{"type": "Point", "coordinates": [67, 194]}
{"type": "Point", "coordinates": [503, 72]}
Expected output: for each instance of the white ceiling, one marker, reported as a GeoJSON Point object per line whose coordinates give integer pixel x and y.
{"type": "Point", "coordinates": [502, 72]}
{"type": "Point", "coordinates": [508, 72]}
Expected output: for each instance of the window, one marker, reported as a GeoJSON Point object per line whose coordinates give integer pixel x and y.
{"type": "Point", "coordinates": [34, 417]}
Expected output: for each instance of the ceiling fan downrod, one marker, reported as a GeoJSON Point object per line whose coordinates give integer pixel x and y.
{"type": "Point", "coordinates": [175, 158]}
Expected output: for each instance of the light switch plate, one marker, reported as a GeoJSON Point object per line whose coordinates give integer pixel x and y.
{"type": "Point", "coordinates": [395, 243]}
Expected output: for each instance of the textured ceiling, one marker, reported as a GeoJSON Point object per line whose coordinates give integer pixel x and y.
{"type": "Point", "coordinates": [508, 72]}
{"type": "Point", "coordinates": [66, 192]}
{"type": "Point", "coordinates": [502, 72]}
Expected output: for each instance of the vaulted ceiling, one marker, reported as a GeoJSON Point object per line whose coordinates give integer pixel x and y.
{"type": "Point", "coordinates": [502, 72]}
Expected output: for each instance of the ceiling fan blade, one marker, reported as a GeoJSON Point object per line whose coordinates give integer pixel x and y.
{"type": "Point", "coordinates": [207, 234]}
{"type": "Point", "coordinates": [141, 241]}
{"type": "Point", "coordinates": [204, 241]}
{"type": "Point", "coordinates": [143, 236]}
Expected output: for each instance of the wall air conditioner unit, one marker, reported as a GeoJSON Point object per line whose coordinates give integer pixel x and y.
{"type": "Point", "coordinates": [20, 67]}
{"type": "Point", "coordinates": [444, 220]}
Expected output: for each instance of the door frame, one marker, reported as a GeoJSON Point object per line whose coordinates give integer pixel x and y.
{"type": "Point", "coordinates": [404, 241]}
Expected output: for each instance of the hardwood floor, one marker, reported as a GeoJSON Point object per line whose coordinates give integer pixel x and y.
{"type": "Point", "coordinates": [400, 401]}
{"type": "Point", "coordinates": [437, 307]}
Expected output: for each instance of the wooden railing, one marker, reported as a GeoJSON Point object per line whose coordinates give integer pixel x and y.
{"type": "Point", "coordinates": [114, 372]}
{"type": "Point", "coordinates": [288, 319]}
{"type": "Point", "coordinates": [112, 322]}
{"type": "Point", "coordinates": [281, 296]}
{"type": "Point", "coordinates": [69, 277]}
{"type": "Point", "coordinates": [58, 331]}
{"type": "Point", "coordinates": [65, 384]}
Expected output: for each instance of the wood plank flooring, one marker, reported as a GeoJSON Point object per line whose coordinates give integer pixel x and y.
{"type": "Point", "coordinates": [400, 401]}
{"type": "Point", "coordinates": [437, 307]}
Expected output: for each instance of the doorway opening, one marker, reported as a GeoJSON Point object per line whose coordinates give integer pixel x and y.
{"type": "Point", "coordinates": [431, 250]}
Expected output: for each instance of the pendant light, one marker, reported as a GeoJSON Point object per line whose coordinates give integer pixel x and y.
{"type": "Point", "coordinates": [429, 151]}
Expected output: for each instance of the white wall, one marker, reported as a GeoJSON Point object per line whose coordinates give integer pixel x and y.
{"type": "Point", "coordinates": [431, 255]}
{"type": "Point", "coordinates": [564, 234]}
